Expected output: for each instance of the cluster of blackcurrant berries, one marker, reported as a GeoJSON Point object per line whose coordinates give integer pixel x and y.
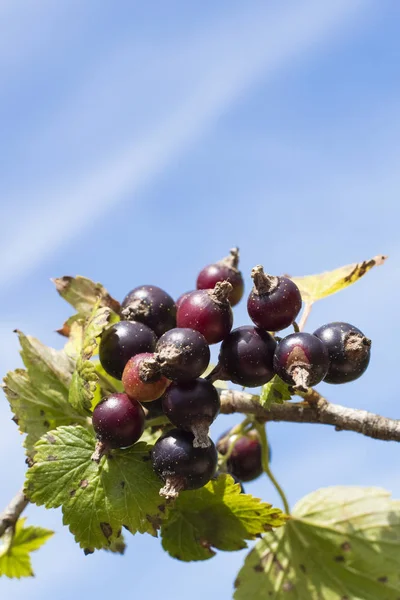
{"type": "Point", "coordinates": [160, 349]}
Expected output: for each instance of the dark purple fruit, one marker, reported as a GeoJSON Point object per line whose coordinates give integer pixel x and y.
{"type": "Point", "coordinates": [136, 387]}
{"type": "Point", "coordinates": [207, 311]}
{"type": "Point", "coordinates": [121, 341]}
{"type": "Point", "coordinates": [193, 406]}
{"type": "Point", "coordinates": [224, 270]}
{"type": "Point", "coordinates": [244, 462]}
{"type": "Point", "coordinates": [118, 421]}
{"type": "Point", "coordinates": [274, 302]}
{"type": "Point", "coordinates": [246, 357]}
{"type": "Point", "coordinates": [154, 409]}
{"type": "Point", "coordinates": [181, 355]}
{"type": "Point", "coordinates": [181, 297]}
{"type": "Point", "coordinates": [180, 465]}
{"type": "Point", "coordinates": [301, 359]}
{"type": "Point", "coordinates": [349, 351]}
{"type": "Point", "coordinates": [152, 306]}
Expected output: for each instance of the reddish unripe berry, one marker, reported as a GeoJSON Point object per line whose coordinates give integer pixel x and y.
{"type": "Point", "coordinates": [301, 359]}
{"type": "Point", "coordinates": [152, 306]}
{"type": "Point", "coordinates": [207, 311]}
{"type": "Point", "coordinates": [193, 406]}
{"type": "Point", "coordinates": [274, 302]}
{"type": "Point", "coordinates": [224, 270]}
{"type": "Point", "coordinates": [118, 421]}
{"type": "Point", "coordinates": [245, 461]}
{"type": "Point", "coordinates": [181, 297]}
{"type": "Point", "coordinates": [134, 384]}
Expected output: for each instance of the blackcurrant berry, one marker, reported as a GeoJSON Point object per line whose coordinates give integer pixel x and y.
{"type": "Point", "coordinates": [121, 341]}
{"type": "Point", "coordinates": [181, 354]}
{"type": "Point", "coordinates": [246, 357]}
{"type": "Point", "coordinates": [274, 302]}
{"type": "Point", "coordinates": [152, 306]}
{"type": "Point", "coordinates": [224, 270]}
{"type": "Point", "coordinates": [301, 359]}
{"type": "Point", "coordinates": [154, 409]}
{"type": "Point", "coordinates": [118, 421]}
{"type": "Point", "coordinates": [180, 465]}
{"type": "Point", "coordinates": [193, 406]}
{"type": "Point", "coordinates": [207, 311]}
{"type": "Point", "coordinates": [136, 387]}
{"type": "Point", "coordinates": [181, 297]}
{"type": "Point", "coordinates": [349, 351]}
{"type": "Point", "coordinates": [244, 462]}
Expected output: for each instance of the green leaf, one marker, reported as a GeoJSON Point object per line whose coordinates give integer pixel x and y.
{"type": "Point", "coordinates": [85, 386]}
{"type": "Point", "coordinates": [108, 384]}
{"type": "Point", "coordinates": [315, 287]}
{"type": "Point", "coordinates": [15, 552]}
{"type": "Point", "coordinates": [38, 396]}
{"type": "Point", "coordinates": [275, 392]}
{"type": "Point", "coordinates": [82, 294]}
{"type": "Point", "coordinates": [215, 516]}
{"type": "Point", "coordinates": [96, 499]}
{"type": "Point", "coordinates": [341, 542]}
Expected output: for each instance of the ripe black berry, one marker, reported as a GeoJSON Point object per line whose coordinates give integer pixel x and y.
{"type": "Point", "coordinates": [118, 421]}
{"type": "Point", "coordinates": [274, 302]}
{"type": "Point", "coordinates": [134, 384]}
{"type": "Point", "coordinates": [152, 306]}
{"type": "Point", "coordinates": [180, 465]}
{"type": "Point", "coordinates": [244, 462]}
{"type": "Point", "coordinates": [349, 351]}
{"type": "Point", "coordinates": [121, 341]}
{"type": "Point", "coordinates": [193, 406]}
{"type": "Point", "coordinates": [246, 357]}
{"type": "Point", "coordinates": [207, 311]}
{"type": "Point", "coordinates": [181, 354]}
{"type": "Point", "coordinates": [224, 270]}
{"type": "Point", "coordinates": [301, 359]}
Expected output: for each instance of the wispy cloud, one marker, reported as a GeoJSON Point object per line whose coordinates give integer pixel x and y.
{"type": "Point", "coordinates": [235, 56]}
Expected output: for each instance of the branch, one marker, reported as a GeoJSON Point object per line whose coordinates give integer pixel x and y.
{"type": "Point", "coordinates": [315, 410]}
{"type": "Point", "coordinates": [11, 514]}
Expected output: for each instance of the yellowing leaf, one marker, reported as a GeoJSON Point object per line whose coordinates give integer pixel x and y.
{"type": "Point", "coordinates": [83, 294]}
{"type": "Point", "coordinates": [315, 287]}
{"type": "Point", "coordinates": [341, 543]}
{"type": "Point", "coordinates": [16, 547]}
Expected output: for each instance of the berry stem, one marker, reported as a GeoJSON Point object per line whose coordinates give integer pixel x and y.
{"type": "Point", "coordinates": [263, 283]}
{"type": "Point", "coordinates": [265, 463]}
{"type": "Point", "coordinates": [305, 314]}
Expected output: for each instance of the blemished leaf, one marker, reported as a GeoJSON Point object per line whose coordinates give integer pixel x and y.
{"type": "Point", "coordinates": [96, 499]}
{"type": "Point", "coordinates": [82, 294]}
{"type": "Point", "coordinates": [216, 516]}
{"type": "Point", "coordinates": [341, 543]}
{"type": "Point", "coordinates": [85, 386]}
{"type": "Point", "coordinates": [315, 287]}
{"type": "Point", "coordinates": [275, 392]}
{"type": "Point", "coordinates": [38, 396]}
{"type": "Point", "coordinates": [15, 551]}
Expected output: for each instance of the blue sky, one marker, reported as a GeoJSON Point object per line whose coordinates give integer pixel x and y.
{"type": "Point", "coordinates": [139, 142]}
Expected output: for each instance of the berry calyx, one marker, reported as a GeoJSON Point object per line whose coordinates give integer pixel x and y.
{"type": "Point", "coordinates": [193, 406]}
{"type": "Point", "coordinates": [301, 359]}
{"type": "Point", "coordinates": [121, 341]}
{"type": "Point", "coordinates": [118, 421]}
{"type": "Point", "coordinates": [223, 270]}
{"type": "Point", "coordinates": [244, 462]}
{"type": "Point", "coordinates": [181, 354]}
{"type": "Point", "coordinates": [349, 351]}
{"type": "Point", "coordinates": [207, 311]}
{"type": "Point", "coordinates": [180, 465]}
{"type": "Point", "coordinates": [246, 357]}
{"type": "Point", "coordinates": [274, 302]}
{"type": "Point", "coordinates": [152, 306]}
{"type": "Point", "coordinates": [136, 386]}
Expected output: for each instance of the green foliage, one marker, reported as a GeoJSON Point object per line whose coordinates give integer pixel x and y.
{"type": "Point", "coordinates": [38, 396]}
{"type": "Point", "coordinates": [216, 516]}
{"type": "Point", "coordinates": [83, 294]}
{"type": "Point", "coordinates": [315, 287]}
{"type": "Point", "coordinates": [96, 499]}
{"type": "Point", "coordinates": [341, 542]}
{"type": "Point", "coordinates": [16, 546]}
{"type": "Point", "coordinates": [275, 392]}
